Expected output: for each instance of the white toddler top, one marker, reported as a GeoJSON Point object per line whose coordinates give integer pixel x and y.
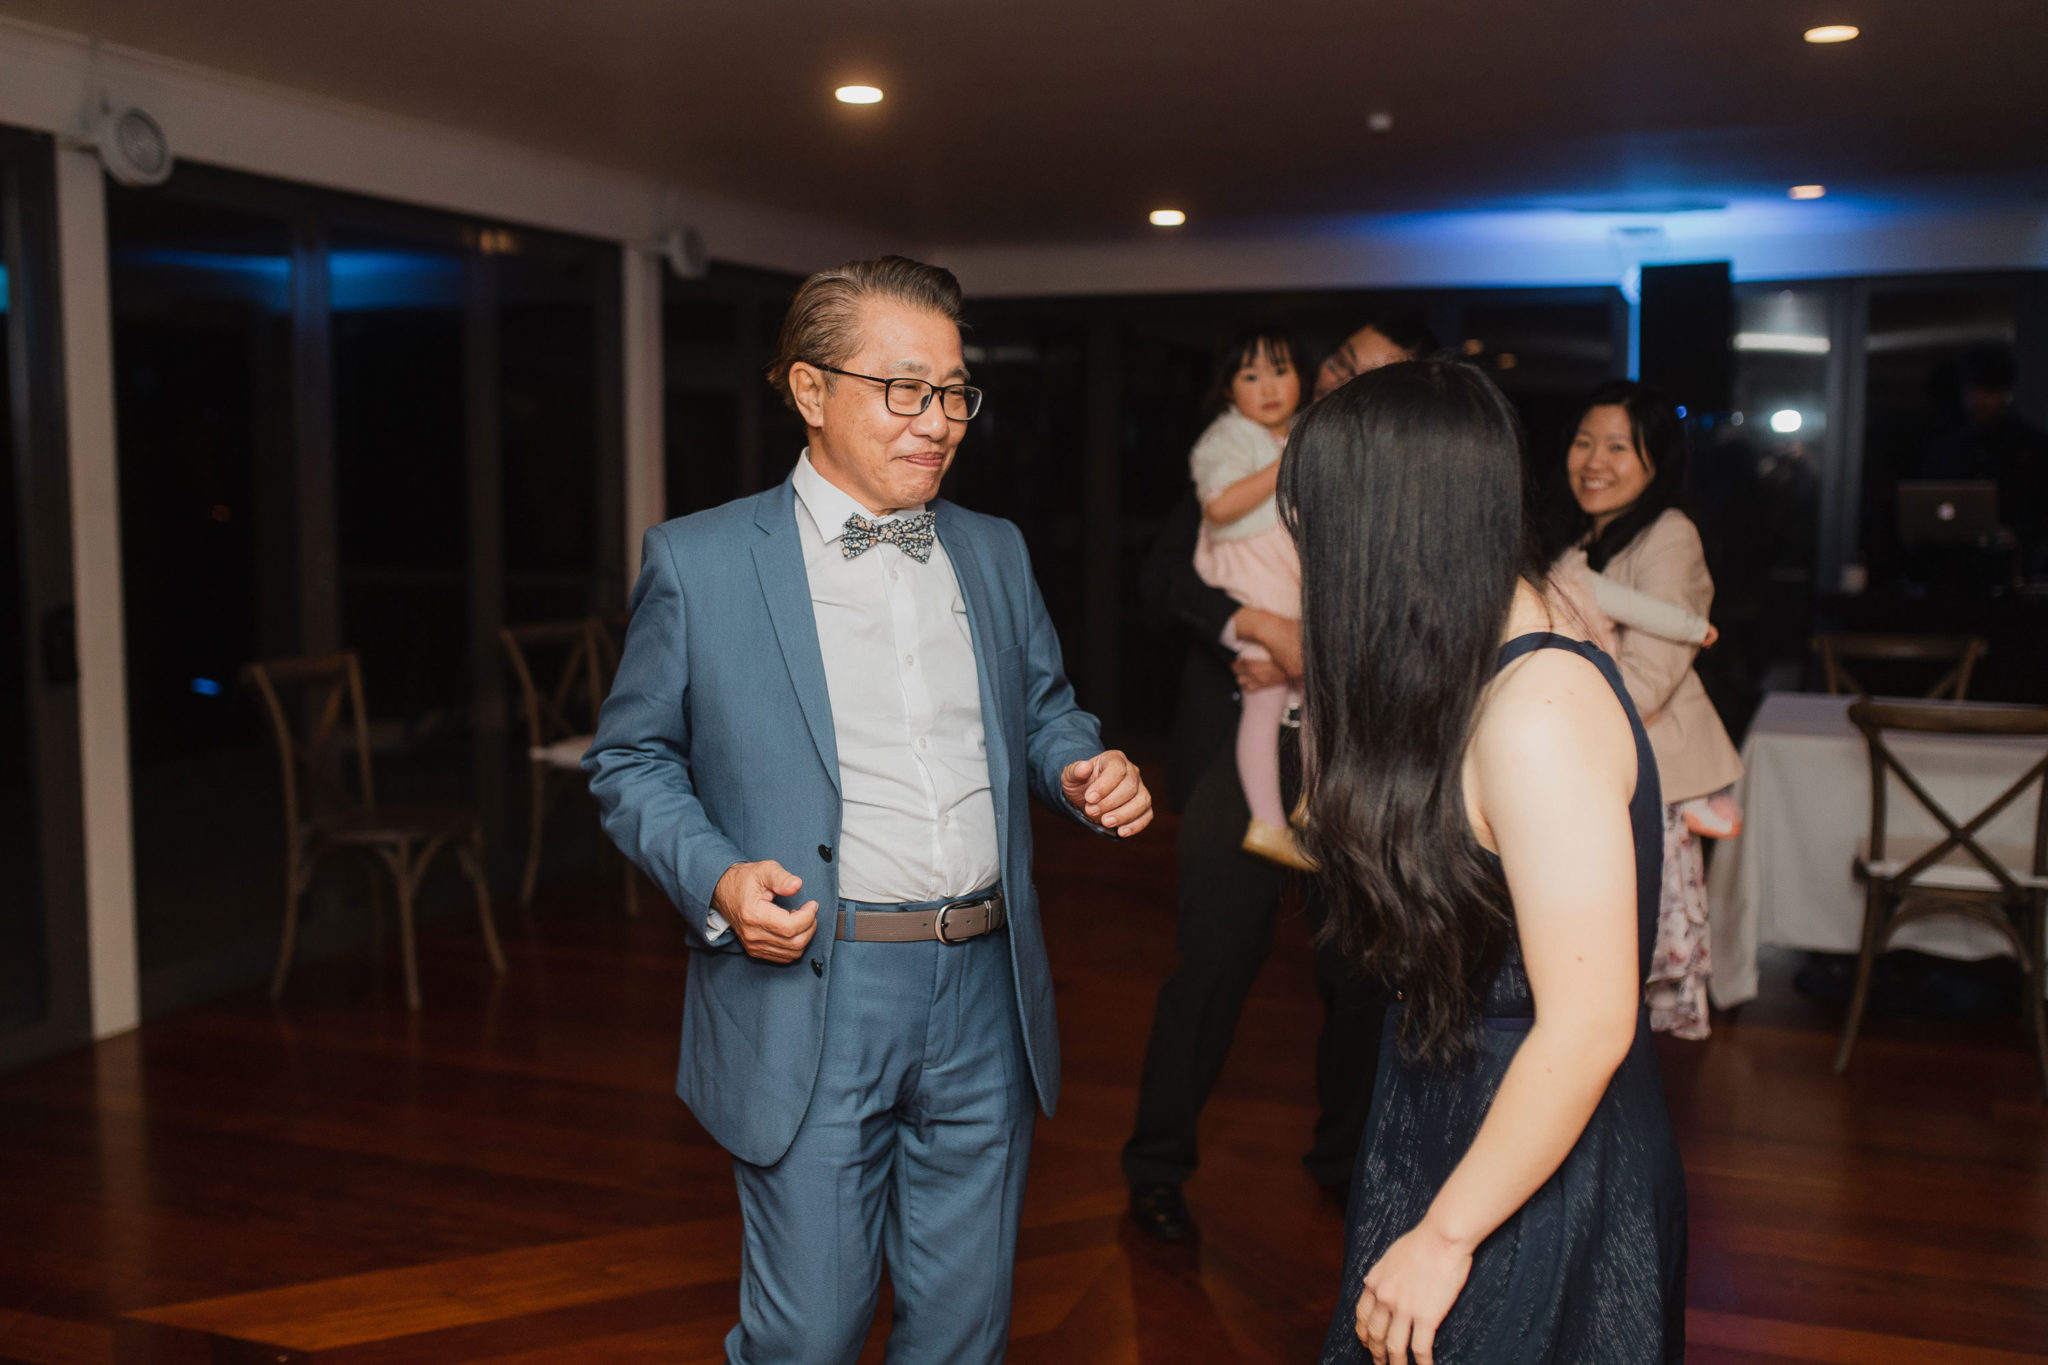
{"type": "Point", "coordinates": [1234, 447]}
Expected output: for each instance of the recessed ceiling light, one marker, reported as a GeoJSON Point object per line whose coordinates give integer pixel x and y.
{"type": "Point", "coordinates": [858, 94]}
{"type": "Point", "coordinates": [1168, 218]}
{"type": "Point", "coordinates": [1380, 121]}
{"type": "Point", "coordinates": [1832, 33]}
{"type": "Point", "coordinates": [1785, 421]}
{"type": "Point", "coordinates": [1808, 191]}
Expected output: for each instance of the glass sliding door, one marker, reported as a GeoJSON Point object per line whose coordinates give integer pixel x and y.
{"type": "Point", "coordinates": [396, 308]}
{"type": "Point", "coordinates": [44, 992]}
{"type": "Point", "coordinates": [204, 370]}
{"type": "Point", "coordinates": [344, 424]}
{"type": "Point", "coordinates": [555, 320]}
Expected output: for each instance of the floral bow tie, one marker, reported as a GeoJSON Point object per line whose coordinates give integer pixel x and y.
{"type": "Point", "coordinates": [911, 534]}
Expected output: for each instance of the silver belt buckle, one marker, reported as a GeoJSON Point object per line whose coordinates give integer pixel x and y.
{"type": "Point", "coordinates": [988, 904]}
{"type": "Point", "coordinates": [939, 927]}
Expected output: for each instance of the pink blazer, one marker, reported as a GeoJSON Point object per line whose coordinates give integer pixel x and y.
{"type": "Point", "coordinates": [1694, 755]}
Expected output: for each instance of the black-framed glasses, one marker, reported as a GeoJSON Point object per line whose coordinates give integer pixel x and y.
{"type": "Point", "coordinates": [910, 397]}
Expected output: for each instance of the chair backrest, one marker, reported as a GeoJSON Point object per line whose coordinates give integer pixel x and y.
{"type": "Point", "coordinates": [1963, 651]}
{"type": "Point", "coordinates": [314, 703]}
{"type": "Point", "coordinates": [564, 669]}
{"type": "Point", "coordinates": [1874, 718]}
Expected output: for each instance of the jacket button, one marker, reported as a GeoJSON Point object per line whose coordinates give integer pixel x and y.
{"type": "Point", "coordinates": [817, 966]}
{"type": "Point", "coordinates": [825, 852]}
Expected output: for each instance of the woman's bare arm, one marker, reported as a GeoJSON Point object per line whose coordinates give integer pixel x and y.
{"type": "Point", "coordinates": [1551, 770]}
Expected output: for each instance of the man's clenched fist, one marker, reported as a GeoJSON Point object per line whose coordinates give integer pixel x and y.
{"type": "Point", "coordinates": [746, 897]}
{"type": "Point", "coordinates": [1108, 790]}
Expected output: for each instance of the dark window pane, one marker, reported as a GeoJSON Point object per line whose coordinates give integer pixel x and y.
{"type": "Point", "coordinates": [202, 351]}
{"type": "Point", "coordinates": [548, 357]}
{"type": "Point", "coordinates": [403, 500]}
{"type": "Point", "coordinates": [24, 961]}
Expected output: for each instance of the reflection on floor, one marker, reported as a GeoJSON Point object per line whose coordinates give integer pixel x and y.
{"type": "Point", "coordinates": [507, 1177]}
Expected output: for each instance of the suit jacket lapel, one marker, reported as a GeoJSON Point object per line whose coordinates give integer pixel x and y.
{"type": "Point", "coordinates": [779, 559]}
{"type": "Point", "coordinates": [974, 590]}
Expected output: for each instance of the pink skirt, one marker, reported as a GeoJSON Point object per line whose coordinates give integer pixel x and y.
{"type": "Point", "coordinates": [1260, 571]}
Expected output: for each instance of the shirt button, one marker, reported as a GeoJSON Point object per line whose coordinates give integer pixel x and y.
{"type": "Point", "coordinates": [893, 575]}
{"type": "Point", "coordinates": [945, 820]}
{"type": "Point", "coordinates": [910, 660]}
{"type": "Point", "coordinates": [923, 743]}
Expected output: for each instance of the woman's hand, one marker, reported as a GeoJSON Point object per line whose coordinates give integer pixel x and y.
{"type": "Point", "coordinates": [1407, 1293]}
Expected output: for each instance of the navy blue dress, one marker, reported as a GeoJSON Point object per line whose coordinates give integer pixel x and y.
{"type": "Point", "coordinates": [1591, 1269]}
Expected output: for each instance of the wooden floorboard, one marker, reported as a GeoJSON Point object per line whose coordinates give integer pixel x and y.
{"type": "Point", "coordinates": [508, 1178]}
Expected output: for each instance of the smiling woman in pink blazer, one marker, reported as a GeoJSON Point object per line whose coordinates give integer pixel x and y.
{"type": "Point", "coordinates": [1624, 473]}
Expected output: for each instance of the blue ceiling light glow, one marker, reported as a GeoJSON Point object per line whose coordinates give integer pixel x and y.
{"type": "Point", "coordinates": [277, 268]}
{"type": "Point", "coordinates": [206, 687]}
{"type": "Point", "coordinates": [265, 281]}
{"type": "Point", "coordinates": [371, 281]}
{"type": "Point", "coordinates": [358, 281]}
{"type": "Point", "coordinates": [3, 288]}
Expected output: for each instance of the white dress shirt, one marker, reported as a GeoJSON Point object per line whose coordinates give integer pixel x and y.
{"type": "Point", "coordinates": [918, 821]}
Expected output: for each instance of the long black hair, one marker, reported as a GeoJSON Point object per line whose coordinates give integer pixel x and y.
{"type": "Point", "coordinates": [1406, 495]}
{"type": "Point", "coordinates": [1660, 445]}
{"type": "Point", "coordinates": [1243, 347]}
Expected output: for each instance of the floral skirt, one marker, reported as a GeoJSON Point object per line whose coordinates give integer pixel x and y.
{"type": "Point", "coordinates": [1677, 990]}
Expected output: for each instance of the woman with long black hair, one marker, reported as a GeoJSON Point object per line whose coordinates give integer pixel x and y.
{"type": "Point", "coordinates": [1484, 808]}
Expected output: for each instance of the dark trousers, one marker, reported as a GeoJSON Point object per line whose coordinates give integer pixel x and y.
{"type": "Point", "coordinates": [1227, 904]}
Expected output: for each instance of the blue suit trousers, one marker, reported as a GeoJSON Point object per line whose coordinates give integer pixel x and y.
{"type": "Point", "coordinates": [912, 1153]}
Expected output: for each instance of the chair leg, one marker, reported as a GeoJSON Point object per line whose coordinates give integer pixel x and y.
{"type": "Point", "coordinates": [406, 875]}
{"type": "Point", "coordinates": [2036, 977]}
{"type": "Point", "coordinates": [293, 889]}
{"type": "Point", "coordinates": [1873, 937]}
{"type": "Point", "coordinates": [537, 816]}
{"type": "Point", "coordinates": [470, 855]}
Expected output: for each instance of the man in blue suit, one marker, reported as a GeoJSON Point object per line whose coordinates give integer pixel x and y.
{"type": "Point", "coordinates": [845, 685]}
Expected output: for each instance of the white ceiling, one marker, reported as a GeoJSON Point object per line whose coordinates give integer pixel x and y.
{"type": "Point", "coordinates": [1054, 120]}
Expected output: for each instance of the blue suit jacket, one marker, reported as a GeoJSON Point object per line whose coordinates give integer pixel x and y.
{"type": "Point", "coordinates": [716, 747]}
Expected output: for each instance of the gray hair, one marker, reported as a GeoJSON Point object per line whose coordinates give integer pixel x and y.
{"type": "Point", "coordinates": [820, 326]}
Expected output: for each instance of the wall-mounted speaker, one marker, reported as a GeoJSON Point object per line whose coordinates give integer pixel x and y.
{"type": "Point", "coordinates": [683, 249]}
{"type": "Point", "coordinates": [1687, 322]}
{"type": "Point", "coordinates": [132, 146]}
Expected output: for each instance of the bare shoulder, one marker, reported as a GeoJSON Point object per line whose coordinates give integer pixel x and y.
{"type": "Point", "coordinates": [1554, 711]}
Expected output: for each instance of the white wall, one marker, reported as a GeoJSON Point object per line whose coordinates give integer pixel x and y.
{"type": "Point", "coordinates": [1771, 240]}
{"type": "Point", "coordinates": [96, 592]}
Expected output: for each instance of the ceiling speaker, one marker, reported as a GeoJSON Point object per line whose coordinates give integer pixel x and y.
{"type": "Point", "coordinates": [683, 249]}
{"type": "Point", "coordinates": [133, 148]}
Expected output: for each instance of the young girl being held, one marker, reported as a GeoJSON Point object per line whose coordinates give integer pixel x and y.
{"type": "Point", "coordinates": [1244, 550]}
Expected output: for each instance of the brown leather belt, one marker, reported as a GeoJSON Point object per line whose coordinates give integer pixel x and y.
{"type": "Point", "coordinates": [955, 922]}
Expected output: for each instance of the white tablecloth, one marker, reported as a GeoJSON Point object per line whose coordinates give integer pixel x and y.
{"type": "Point", "coordinates": [1806, 801]}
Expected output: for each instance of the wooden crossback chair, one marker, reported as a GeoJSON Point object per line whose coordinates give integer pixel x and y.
{"type": "Point", "coordinates": [1907, 878]}
{"type": "Point", "coordinates": [315, 707]}
{"type": "Point", "coordinates": [561, 718]}
{"type": "Point", "coordinates": [1960, 651]}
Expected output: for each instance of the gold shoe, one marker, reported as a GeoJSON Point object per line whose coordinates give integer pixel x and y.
{"type": "Point", "coordinates": [1275, 845]}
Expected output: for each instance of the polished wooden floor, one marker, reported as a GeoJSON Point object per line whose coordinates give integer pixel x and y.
{"type": "Point", "coordinates": [507, 1176]}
